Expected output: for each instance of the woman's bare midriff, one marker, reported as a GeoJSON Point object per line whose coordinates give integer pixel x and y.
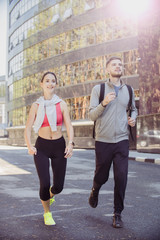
{"type": "Point", "coordinates": [46, 133]}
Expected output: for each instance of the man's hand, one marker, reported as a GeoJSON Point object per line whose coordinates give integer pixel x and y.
{"type": "Point", "coordinates": [131, 121]}
{"type": "Point", "coordinates": [108, 98]}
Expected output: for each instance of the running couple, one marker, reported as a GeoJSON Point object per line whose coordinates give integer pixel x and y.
{"type": "Point", "coordinates": [48, 115]}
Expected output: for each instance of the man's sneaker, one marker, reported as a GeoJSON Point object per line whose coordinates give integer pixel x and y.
{"type": "Point", "coordinates": [48, 220]}
{"type": "Point", "coordinates": [93, 199]}
{"type": "Point", "coordinates": [117, 221]}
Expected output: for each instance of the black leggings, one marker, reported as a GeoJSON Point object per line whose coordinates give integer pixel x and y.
{"type": "Point", "coordinates": [53, 149]}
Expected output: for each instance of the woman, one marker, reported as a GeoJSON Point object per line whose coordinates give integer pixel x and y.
{"type": "Point", "coordinates": [47, 115]}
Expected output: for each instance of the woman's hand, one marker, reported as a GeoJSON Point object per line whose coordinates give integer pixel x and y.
{"type": "Point", "coordinates": [32, 151]}
{"type": "Point", "coordinates": [68, 151]}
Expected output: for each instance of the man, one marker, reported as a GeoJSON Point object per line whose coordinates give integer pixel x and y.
{"type": "Point", "coordinates": [111, 136]}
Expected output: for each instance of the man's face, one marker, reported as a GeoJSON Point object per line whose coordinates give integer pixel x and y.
{"type": "Point", "coordinates": [115, 68]}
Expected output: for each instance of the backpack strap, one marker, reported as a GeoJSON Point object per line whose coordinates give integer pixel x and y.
{"type": "Point", "coordinates": [129, 110]}
{"type": "Point", "coordinates": [101, 97]}
{"type": "Point", "coordinates": [130, 99]}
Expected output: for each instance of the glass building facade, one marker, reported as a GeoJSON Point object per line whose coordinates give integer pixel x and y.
{"type": "Point", "coordinates": [2, 106]}
{"type": "Point", "coordinates": [72, 38]}
{"type": "Point", "coordinates": [148, 123]}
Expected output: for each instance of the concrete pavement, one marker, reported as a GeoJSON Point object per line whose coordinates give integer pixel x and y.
{"type": "Point", "coordinates": [21, 215]}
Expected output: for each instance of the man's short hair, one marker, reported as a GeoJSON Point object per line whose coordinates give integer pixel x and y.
{"type": "Point", "coordinates": [112, 58]}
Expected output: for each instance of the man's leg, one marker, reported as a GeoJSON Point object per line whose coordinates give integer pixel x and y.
{"type": "Point", "coordinates": [120, 167]}
{"type": "Point", "coordinates": [103, 163]}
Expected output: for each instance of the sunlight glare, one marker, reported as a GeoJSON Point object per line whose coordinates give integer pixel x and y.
{"type": "Point", "coordinates": [134, 7]}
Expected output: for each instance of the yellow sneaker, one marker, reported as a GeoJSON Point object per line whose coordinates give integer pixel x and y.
{"type": "Point", "coordinates": [48, 220]}
{"type": "Point", "coordinates": [52, 200]}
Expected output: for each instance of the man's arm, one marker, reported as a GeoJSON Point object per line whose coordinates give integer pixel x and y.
{"type": "Point", "coordinates": [96, 109]}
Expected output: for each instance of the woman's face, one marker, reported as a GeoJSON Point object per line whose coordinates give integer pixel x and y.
{"type": "Point", "coordinates": [49, 83]}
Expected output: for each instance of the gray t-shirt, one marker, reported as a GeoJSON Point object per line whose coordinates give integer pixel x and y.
{"type": "Point", "coordinates": [116, 88]}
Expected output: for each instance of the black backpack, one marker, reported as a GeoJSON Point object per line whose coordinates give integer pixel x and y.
{"type": "Point", "coordinates": [129, 110]}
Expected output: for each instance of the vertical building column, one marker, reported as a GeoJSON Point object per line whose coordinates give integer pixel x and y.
{"type": "Point", "coordinates": [149, 66]}
{"type": "Point", "coordinates": [148, 122]}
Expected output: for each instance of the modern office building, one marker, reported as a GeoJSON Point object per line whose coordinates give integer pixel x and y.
{"type": "Point", "coordinates": [148, 123]}
{"type": "Point", "coordinates": [72, 38]}
{"type": "Point", "coordinates": [2, 99]}
{"type": "Point", "coordinates": [2, 106]}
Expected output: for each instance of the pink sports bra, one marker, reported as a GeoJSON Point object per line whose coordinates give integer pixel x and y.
{"type": "Point", "coordinates": [59, 117]}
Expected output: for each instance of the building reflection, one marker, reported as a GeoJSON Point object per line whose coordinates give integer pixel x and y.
{"type": "Point", "coordinates": [73, 39]}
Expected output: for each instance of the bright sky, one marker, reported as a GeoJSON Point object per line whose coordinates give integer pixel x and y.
{"type": "Point", "coordinates": [3, 36]}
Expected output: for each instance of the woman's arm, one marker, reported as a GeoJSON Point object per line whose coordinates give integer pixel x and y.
{"type": "Point", "coordinates": [69, 127]}
{"type": "Point", "coordinates": [27, 134]}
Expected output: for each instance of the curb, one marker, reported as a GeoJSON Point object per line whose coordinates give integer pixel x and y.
{"type": "Point", "coordinates": [148, 160]}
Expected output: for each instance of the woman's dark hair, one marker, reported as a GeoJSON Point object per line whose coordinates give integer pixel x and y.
{"type": "Point", "coordinates": [47, 74]}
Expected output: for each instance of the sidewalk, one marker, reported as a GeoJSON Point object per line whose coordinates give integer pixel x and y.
{"type": "Point", "coordinates": [144, 157]}
{"type": "Point", "coordinates": [133, 154]}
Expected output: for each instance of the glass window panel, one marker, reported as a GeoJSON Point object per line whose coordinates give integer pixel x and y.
{"type": "Point", "coordinates": [62, 8]}
{"type": "Point", "coordinates": [100, 31]}
{"type": "Point", "coordinates": [117, 32]}
{"type": "Point", "coordinates": [36, 53]}
{"type": "Point", "coordinates": [40, 55]}
{"type": "Point", "coordinates": [82, 71]}
{"type": "Point", "coordinates": [50, 47]}
{"type": "Point", "coordinates": [75, 68]}
{"type": "Point", "coordinates": [56, 45]}
{"type": "Point", "coordinates": [45, 48]}
{"type": "Point", "coordinates": [62, 43]}
{"type": "Point", "coordinates": [40, 20]}
{"type": "Point", "coordinates": [54, 15]}
{"type": "Point", "coordinates": [90, 34]}
{"type": "Point", "coordinates": [62, 76]}
{"type": "Point", "coordinates": [67, 9]}
{"type": "Point", "coordinates": [66, 79]}
{"type": "Point", "coordinates": [82, 34]}
{"type": "Point", "coordinates": [75, 7]}
{"type": "Point", "coordinates": [10, 92]}
{"type": "Point", "coordinates": [14, 122]}
{"type": "Point", "coordinates": [129, 69]}
{"type": "Point", "coordinates": [99, 3]}
{"type": "Point", "coordinates": [36, 23]}
{"type": "Point", "coordinates": [75, 38]}
{"type": "Point", "coordinates": [69, 72]}
{"type": "Point", "coordinates": [72, 112]}
{"type": "Point", "coordinates": [68, 40]}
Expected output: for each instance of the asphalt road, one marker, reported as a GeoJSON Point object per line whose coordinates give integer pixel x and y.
{"type": "Point", "coordinates": [21, 213]}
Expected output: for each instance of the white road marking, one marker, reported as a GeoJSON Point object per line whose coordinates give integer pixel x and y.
{"type": "Point", "coordinates": [10, 169]}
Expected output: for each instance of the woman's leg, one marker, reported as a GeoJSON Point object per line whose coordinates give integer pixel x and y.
{"type": "Point", "coordinates": [58, 163]}
{"type": "Point", "coordinates": [46, 205]}
{"type": "Point", "coordinates": [59, 171]}
{"type": "Point", "coordinates": [42, 166]}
